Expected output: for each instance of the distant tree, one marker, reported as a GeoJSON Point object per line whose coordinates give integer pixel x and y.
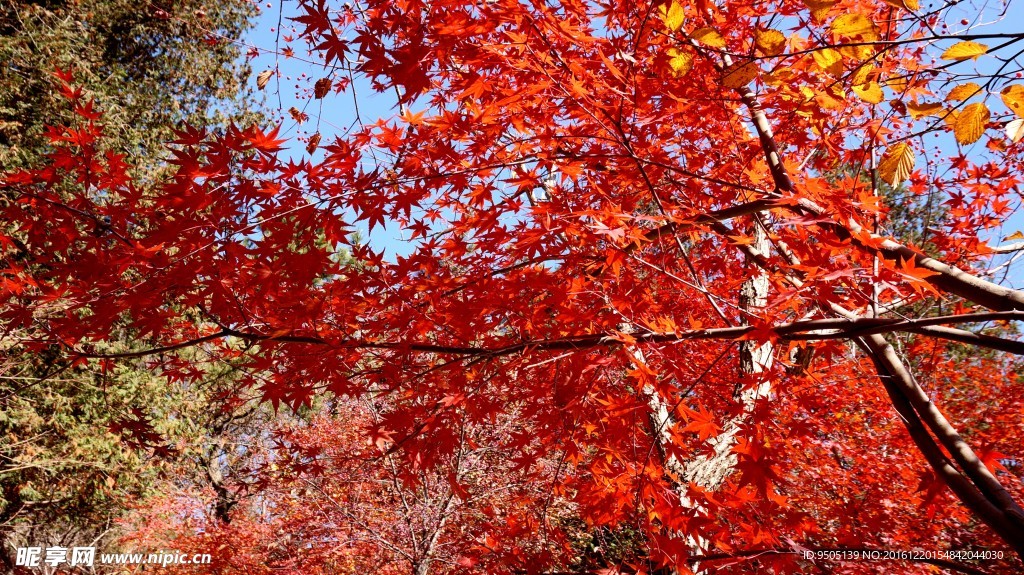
{"type": "Point", "coordinates": [78, 440]}
{"type": "Point", "coordinates": [148, 65]}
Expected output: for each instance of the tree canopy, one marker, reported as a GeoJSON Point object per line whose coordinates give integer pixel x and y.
{"type": "Point", "coordinates": [685, 286]}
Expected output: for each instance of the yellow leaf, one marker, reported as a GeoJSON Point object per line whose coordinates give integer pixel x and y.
{"type": "Point", "coordinates": [680, 61]}
{"type": "Point", "coordinates": [1018, 235]}
{"type": "Point", "coordinates": [912, 5]}
{"type": "Point", "coordinates": [769, 42]}
{"type": "Point", "coordinates": [1015, 131]}
{"type": "Point", "coordinates": [855, 25]}
{"type": "Point", "coordinates": [739, 75]}
{"type": "Point", "coordinates": [950, 118]}
{"type": "Point", "coordinates": [1013, 97]}
{"type": "Point", "coordinates": [923, 109]}
{"type": "Point", "coordinates": [897, 83]}
{"type": "Point", "coordinates": [970, 123]}
{"type": "Point", "coordinates": [672, 15]}
{"type": "Point", "coordinates": [964, 51]}
{"type": "Point", "coordinates": [896, 164]}
{"type": "Point", "coordinates": [860, 75]}
{"type": "Point", "coordinates": [963, 91]}
{"type": "Point", "coordinates": [861, 52]}
{"type": "Point", "coordinates": [819, 8]}
{"type": "Point", "coordinates": [829, 60]}
{"type": "Point", "coordinates": [870, 92]}
{"type": "Point", "coordinates": [708, 37]}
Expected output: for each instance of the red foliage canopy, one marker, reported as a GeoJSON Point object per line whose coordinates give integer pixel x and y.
{"type": "Point", "coordinates": [662, 235]}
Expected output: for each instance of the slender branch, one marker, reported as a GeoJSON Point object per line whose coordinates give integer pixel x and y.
{"type": "Point", "coordinates": [810, 330]}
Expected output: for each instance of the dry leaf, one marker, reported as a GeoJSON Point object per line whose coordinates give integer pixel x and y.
{"type": "Point", "coordinates": [1015, 130]}
{"type": "Point", "coordinates": [321, 88]}
{"type": "Point", "coordinates": [263, 78]}
{"type": "Point", "coordinates": [314, 141]}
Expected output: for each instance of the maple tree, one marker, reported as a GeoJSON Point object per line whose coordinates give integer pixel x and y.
{"type": "Point", "coordinates": [657, 233]}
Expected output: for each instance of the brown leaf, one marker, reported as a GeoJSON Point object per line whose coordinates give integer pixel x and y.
{"type": "Point", "coordinates": [314, 142]}
{"type": "Point", "coordinates": [322, 87]}
{"type": "Point", "coordinates": [263, 78]}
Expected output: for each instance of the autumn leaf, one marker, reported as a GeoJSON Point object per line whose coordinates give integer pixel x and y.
{"type": "Point", "coordinates": [970, 123]}
{"type": "Point", "coordinates": [855, 26]}
{"type": "Point", "coordinates": [321, 88]}
{"type": "Point", "coordinates": [702, 422]}
{"type": "Point", "coordinates": [314, 141]}
{"type": "Point", "coordinates": [829, 60]}
{"type": "Point", "coordinates": [870, 92]}
{"type": "Point", "coordinates": [1013, 97]}
{"type": "Point", "coordinates": [964, 51]}
{"type": "Point", "coordinates": [911, 5]}
{"type": "Point", "coordinates": [963, 92]}
{"type": "Point", "coordinates": [819, 8]}
{"type": "Point", "coordinates": [769, 42]}
{"type": "Point", "coordinates": [924, 109]}
{"type": "Point", "coordinates": [739, 74]}
{"type": "Point", "coordinates": [896, 164]}
{"type": "Point", "coordinates": [909, 268]}
{"type": "Point", "coordinates": [297, 115]}
{"type": "Point", "coordinates": [681, 61]}
{"type": "Point", "coordinates": [672, 15]}
{"type": "Point", "coordinates": [1015, 130]}
{"type": "Point", "coordinates": [263, 78]}
{"type": "Point", "coordinates": [708, 37]}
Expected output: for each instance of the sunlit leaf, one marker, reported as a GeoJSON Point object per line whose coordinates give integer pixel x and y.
{"type": "Point", "coordinates": [770, 42]}
{"type": "Point", "coordinates": [912, 5]}
{"type": "Point", "coordinates": [828, 59]}
{"type": "Point", "coordinates": [970, 123]}
{"type": "Point", "coordinates": [855, 26]}
{"type": "Point", "coordinates": [896, 164]}
{"type": "Point", "coordinates": [819, 8]}
{"type": "Point", "coordinates": [920, 110]}
{"type": "Point", "coordinates": [1015, 129]}
{"type": "Point", "coordinates": [963, 92]}
{"type": "Point", "coordinates": [1013, 97]}
{"type": "Point", "coordinates": [964, 51]}
{"type": "Point", "coordinates": [739, 74]}
{"type": "Point", "coordinates": [680, 61]}
{"type": "Point", "coordinates": [870, 92]}
{"type": "Point", "coordinates": [672, 15]}
{"type": "Point", "coordinates": [708, 37]}
{"type": "Point", "coordinates": [263, 78]}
